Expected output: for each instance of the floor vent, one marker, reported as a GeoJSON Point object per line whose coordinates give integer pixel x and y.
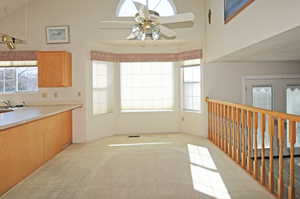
{"type": "Point", "coordinates": [134, 136]}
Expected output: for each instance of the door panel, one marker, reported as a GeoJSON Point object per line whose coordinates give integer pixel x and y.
{"type": "Point", "coordinates": [262, 97]}
{"type": "Point", "coordinates": [278, 94]}
{"type": "Point", "coordinates": [293, 107]}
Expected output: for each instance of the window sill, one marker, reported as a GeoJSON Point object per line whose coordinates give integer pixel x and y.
{"type": "Point", "coordinates": [102, 114]}
{"type": "Point", "coordinates": [146, 111]}
{"type": "Point", "coordinates": [21, 93]}
{"type": "Point", "coordinates": [190, 111]}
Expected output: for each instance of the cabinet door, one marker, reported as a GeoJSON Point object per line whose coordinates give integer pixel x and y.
{"type": "Point", "coordinates": [55, 69]}
{"type": "Point", "coordinates": [58, 134]}
{"type": "Point", "coordinates": [21, 152]}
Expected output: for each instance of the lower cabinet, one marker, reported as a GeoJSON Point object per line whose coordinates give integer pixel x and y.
{"type": "Point", "coordinates": [25, 148]}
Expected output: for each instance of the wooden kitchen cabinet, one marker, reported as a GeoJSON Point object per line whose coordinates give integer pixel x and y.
{"type": "Point", "coordinates": [55, 69]}
{"type": "Point", "coordinates": [55, 140]}
{"type": "Point", "coordinates": [25, 148]}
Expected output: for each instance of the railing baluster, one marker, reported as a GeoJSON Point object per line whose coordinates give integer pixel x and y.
{"type": "Point", "coordinates": [263, 152]}
{"type": "Point", "coordinates": [219, 125]}
{"type": "Point", "coordinates": [229, 125]}
{"type": "Point", "coordinates": [209, 120]}
{"type": "Point", "coordinates": [233, 133]}
{"type": "Point", "coordinates": [213, 122]}
{"type": "Point", "coordinates": [255, 164]}
{"type": "Point", "coordinates": [271, 153]}
{"type": "Point", "coordinates": [249, 132]}
{"type": "Point", "coordinates": [238, 139]}
{"type": "Point", "coordinates": [243, 139]}
{"type": "Point", "coordinates": [224, 129]}
{"type": "Point", "coordinates": [229, 131]}
{"type": "Point", "coordinates": [281, 163]}
{"type": "Point", "coordinates": [292, 139]}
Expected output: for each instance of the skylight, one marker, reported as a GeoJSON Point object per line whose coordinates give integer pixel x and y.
{"type": "Point", "coordinates": [126, 8]}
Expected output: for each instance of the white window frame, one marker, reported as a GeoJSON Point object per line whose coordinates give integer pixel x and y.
{"type": "Point", "coordinates": [14, 65]}
{"type": "Point", "coordinates": [191, 64]}
{"type": "Point", "coordinates": [108, 88]}
{"type": "Point", "coordinates": [121, 2]}
{"type": "Point", "coordinates": [174, 106]}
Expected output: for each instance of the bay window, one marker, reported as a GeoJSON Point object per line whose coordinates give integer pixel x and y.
{"type": "Point", "coordinates": [191, 73]}
{"type": "Point", "coordinates": [147, 86]}
{"type": "Point", "coordinates": [102, 87]}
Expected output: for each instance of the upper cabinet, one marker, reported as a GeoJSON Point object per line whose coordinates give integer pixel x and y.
{"type": "Point", "coordinates": [55, 69]}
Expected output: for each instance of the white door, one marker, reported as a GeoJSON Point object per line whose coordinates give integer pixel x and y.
{"type": "Point", "coordinates": [278, 94]}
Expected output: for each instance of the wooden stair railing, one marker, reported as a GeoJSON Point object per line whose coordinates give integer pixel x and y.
{"type": "Point", "coordinates": [234, 128]}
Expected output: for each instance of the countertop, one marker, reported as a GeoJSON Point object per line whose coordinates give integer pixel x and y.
{"type": "Point", "coordinates": [31, 113]}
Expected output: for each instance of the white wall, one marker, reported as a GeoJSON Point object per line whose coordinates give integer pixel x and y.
{"type": "Point", "coordinates": [84, 16]}
{"type": "Point", "coordinates": [261, 20]}
{"type": "Point", "coordinates": [223, 81]}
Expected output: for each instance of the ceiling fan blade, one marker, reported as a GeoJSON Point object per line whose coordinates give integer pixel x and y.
{"type": "Point", "coordinates": [116, 24]}
{"type": "Point", "coordinates": [179, 18]}
{"type": "Point", "coordinates": [132, 36]}
{"type": "Point", "coordinates": [20, 41]}
{"type": "Point", "coordinates": [167, 31]}
{"type": "Point", "coordinates": [144, 12]}
{"type": "Point", "coordinates": [138, 5]}
{"type": "Point", "coordinates": [13, 39]}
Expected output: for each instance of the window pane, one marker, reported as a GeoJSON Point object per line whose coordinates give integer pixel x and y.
{"type": "Point", "coordinates": [262, 97]}
{"type": "Point", "coordinates": [1, 80]}
{"type": "Point", "coordinates": [27, 78]}
{"type": "Point", "coordinates": [101, 87]}
{"type": "Point", "coordinates": [10, 80]}
{"type": "Point", "coordinates": [147, 86]}
{"type": "Point", "coordinates": [293, 107]}
{"type": "Point", "coordinates": [22, 78]}
{"type": "Point", "coordinates": [163, 7]}
{"type": "Point", "coordinates": [100, 101]}
{"type": "Point", "coordinates": [192, 74]}
{"type": "Point", "coordinates": [192, 88]}
{"type": "Point", "coordinates": [100, 70]}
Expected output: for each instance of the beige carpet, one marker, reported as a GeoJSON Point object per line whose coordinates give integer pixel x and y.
{"type": "Point", "coordinates": [168, 166]}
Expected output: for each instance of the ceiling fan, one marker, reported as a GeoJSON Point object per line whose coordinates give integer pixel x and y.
{"type": "Point", "coordinates": [10, 41]}
{"type": "Point", "coordinates": [148, 24]}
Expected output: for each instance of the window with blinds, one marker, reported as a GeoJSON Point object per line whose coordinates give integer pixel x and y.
{"type": "Point", "coordinates": [18, 76]}
{"type": "Point", "coordinates": [102, 87]}
{"type": "Point", "coordinates": [191, 85]}
{"type": "Point", "coordinates": [147, 86]}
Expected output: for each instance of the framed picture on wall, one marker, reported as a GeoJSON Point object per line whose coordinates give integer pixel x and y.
{"type": "Point", "coordinates": [233, 7]}
{"type": "Point", "coordinates": [57, 34]}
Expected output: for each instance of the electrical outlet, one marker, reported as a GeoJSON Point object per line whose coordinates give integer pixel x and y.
{"type": "Point", "coordinates": [55, 95]}
{"type": "Point", "coordinates": [79, 94]}
{"type": "Point", "coordinates": [182, 119]}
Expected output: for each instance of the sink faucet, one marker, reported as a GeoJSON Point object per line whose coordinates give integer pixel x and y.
{"type": "Point", "coordinates": [7, 103]}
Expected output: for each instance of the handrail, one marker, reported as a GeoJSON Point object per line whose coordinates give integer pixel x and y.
{"type": "Point", "coordinates": [236, 129]}
{"type": "Point", "coordinates": [286, 116]}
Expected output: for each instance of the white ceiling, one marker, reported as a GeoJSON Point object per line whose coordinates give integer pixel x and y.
{"type": "Point", "coordinates": [9, 6]}
{"type": "Point", "coordinates": [282, 47]}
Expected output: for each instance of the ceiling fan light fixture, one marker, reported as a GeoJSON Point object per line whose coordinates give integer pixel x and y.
{"type": "Point", "coordinates": [147, 23]}
{"type": "Point", "coordinates": [141, 36]}
{"type": "Point", "coordinates": [9, 41]}
{"type": "Point", "coordinates": [156, 33]}
{"type": "Point", "coordinates": [11, 45]}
